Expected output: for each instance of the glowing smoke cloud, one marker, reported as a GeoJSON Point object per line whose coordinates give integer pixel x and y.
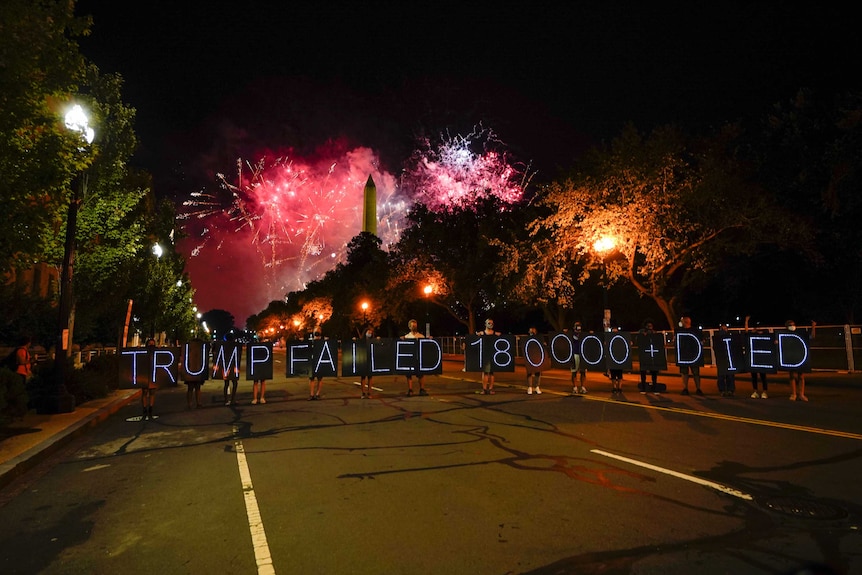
{"type": "Point", "coordinates": [274, 226]}
{"type": "Point", "coordinates": [462, 169]}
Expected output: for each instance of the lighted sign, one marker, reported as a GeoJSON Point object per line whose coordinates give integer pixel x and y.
{"type": "Point", "coordinates": [489, 353]}
{"type": "Point", "coordinates": [535, 353]}
{"type": "Point", "coordinates": [689, 347]}
{"type": "Point", "coordinates": [651, 354]}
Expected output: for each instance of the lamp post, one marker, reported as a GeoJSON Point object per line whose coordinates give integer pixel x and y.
{"type": "Point", "coordinates": [427, 290]}
{"type": "Point", "coordinates": [364, 307]}
{"type": "Point", "coordinates": [59, 400]}
{"type": "Point", "coordinates": [603, 246]}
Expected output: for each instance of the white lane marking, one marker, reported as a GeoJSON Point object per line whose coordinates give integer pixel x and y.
{"type": "Point", "coordinates": [705, 482]}
{"type": "Point", "coordinates": [262, 556]}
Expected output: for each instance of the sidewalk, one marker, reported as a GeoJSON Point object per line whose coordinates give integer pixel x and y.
{"type": "Point", "coordinates": [26, 442]}
{"type": "Point", "coordinates": [30, 440]}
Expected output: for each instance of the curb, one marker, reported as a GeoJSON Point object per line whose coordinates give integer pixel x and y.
{"type": "Point", "coordinates": [17, 466]}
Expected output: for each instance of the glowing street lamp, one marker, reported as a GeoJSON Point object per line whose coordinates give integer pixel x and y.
{"type": "Point", "coordinates": [604, 246]}
{"type": "Point", "coordinates": [60, 400]}
{"type": "Point", "coordinates": [427, 290]}
{"type": "Point", "coordinates": [364, 307]}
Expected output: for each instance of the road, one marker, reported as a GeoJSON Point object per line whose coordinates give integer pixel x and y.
{"type": "Point", "coordinates": [454, 482]}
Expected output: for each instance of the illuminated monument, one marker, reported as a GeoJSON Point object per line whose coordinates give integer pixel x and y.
{"type": "Point", "coordinates": [369, 208]}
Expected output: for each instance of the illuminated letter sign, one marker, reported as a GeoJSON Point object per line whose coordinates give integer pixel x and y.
{"type": "Point", "coordinates": [323, 354]}
{"type": "Point", "coordinates": [535, 353]}
{"type": "Point", "coordinates": [195, 362]}
{"type": "Point", "coordinates": [728, 351]}
{"type": "Point", "coordinates": [226, 358]}
{"type": "Point", "coordinates": [689, 347]}
{"type": "Point", "coordinates": [258, 361]}
{"type": "Point", "coordinates": [618, 350]}
{"type": "Point", "coordinates": [651, 355]}
{"type": "Point", "coordinates": [593, 352]}
{"type": "Point", "coordinates": [563, 350]}
{"type": "Point", "coordinates": [793, 354]}
{"type": "Point", "coordinates": [761, 354]}
{"type": "Point", "coordinates": [298, 359]}
{"type": "Point", "coordinates": [490, 353]}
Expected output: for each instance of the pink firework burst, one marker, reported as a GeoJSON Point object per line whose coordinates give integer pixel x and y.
{"type": "Point", "coordinates": [277, 224]}
{"type": "Point", "coordinates": [461, 169]}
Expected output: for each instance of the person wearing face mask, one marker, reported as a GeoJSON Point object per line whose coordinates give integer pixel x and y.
{"type": "Point", "coordinates": [797, 377]}
{"type": "Point", "coordinates": [488, 370]}
{"type": "Point", "coordinates": [414, 333]}
{"type": "Point", "coordinates": [579, 368]}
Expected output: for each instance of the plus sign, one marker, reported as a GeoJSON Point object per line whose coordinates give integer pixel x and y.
{"type": "Point", "coordinates": [651, 350]}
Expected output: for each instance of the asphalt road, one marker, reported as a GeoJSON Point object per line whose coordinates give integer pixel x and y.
{"type": "Point", "coordinates": [455, 482]}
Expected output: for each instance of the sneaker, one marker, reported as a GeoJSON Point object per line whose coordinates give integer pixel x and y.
{"type": "Point", "coordinates": [684, 392]}
{"type": "Point", "coordinates": [409, 392]}
{"type": "Point", "coordinates": [763, 395]}
{"type": "Point", "coordinates": [254, 402]}
{"type": "Point", "coordinates": [582, 390]}
{"type": "Point", "coordinates": [310, 398]}
{"type": "Point", "coordinates": [574, 391]}
{"type": "Point", "coordinates": [317, 396]}
{"type": "Point", "coordinates": [227, 402]}
{"type": "Point", "coordinates": [699, 392]}
{"type": "Point", "coordinates": [643, 393]}
{"type": "Point", "coordinates": [538, 391]}
{"type": "Point", "coordinates": [529, 391]}
{"type": "Point", "coordinates": [755, 395]}
{"type": "Point", "coordinates": [423, 392]}
{"type": "Point", "coordinates": [793, 397]}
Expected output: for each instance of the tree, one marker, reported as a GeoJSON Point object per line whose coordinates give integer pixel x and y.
{"type": "Point", "coordinates": [219, 321]}
{"type": "Point", "coordinates": [454, 249]}
{"type": "Point", "coordinates": [677, 208]}
{"type": "Point", "coordinates": [40, 71]}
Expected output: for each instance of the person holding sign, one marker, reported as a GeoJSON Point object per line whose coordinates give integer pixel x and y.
{"type": "Point", "coordinates": [725, 377]}
{"type": "Point", "coordinates": [365, 378]}
{"type": "Point", "coordinates": [692, 367]}
{"type": "Point", "coordinates": [488, 368]}
{"type": "Point", "coordinates": [258, 386]}
{"type": "Point", "coordinates": [645, 338]}
{"type": "Point", "coordinates": [414, 333]}
{"type": "Point", "coordinates": [579, 368]}
{"type": "Point", "coordinates": [315, 379]}
{"type": "Point", "coordinates": [148, 390]}
{"type": "Point", "coordinates": [533, 374]}
{"type": "Point", "coordinates": [797, 377]}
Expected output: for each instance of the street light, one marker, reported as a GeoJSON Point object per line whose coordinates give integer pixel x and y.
{"type": "Point", "coordinates": [428, 290]}
{"type": "Point", "coordinates": [603, 246]}
{"type": "Point", "coordinates": [364, 307]}
{"type": "Point", "coordinates": [60, 400]}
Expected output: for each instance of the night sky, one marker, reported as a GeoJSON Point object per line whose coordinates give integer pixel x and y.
{"type": "Point", "coordinates": [213, 82]}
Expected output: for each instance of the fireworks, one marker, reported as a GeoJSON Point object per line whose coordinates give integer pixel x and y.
{"type": "Point", "coordinates": [295, 218]}
{"type": "Point", "coordinates": [275, 225]}
{"type": "Point", "coordinates": [454, 174]}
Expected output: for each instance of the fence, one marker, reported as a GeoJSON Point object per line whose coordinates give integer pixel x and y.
{"type": "Point", "coordinates": [834, 348]}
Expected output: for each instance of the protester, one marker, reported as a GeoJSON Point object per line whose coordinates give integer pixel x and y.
{"type": "Point", "coordinates": [148, 390]}
{"type": "Point", "coordinates": [689, 370]}
{"type": "Point", "coordinates": [533, 374]}
{"type": "Point", "coordinates": [258, 391]}
{"type": "Point", "coordinates": [315, 380]}
{"type": "Point", "coordinates": [488, 369]}
{"type": "Point", "coordinates": [414, 333]}
{"type": "Point", "coordinates": [366, 375]}
{"type": "Point", "coordinates": [648, 329]}
{"type": "Point", "coordinates": [797, 377]}
{"type": "Point", "coordinates": [726, 379]}
{"type": "Point", "coordinates": [579, 368]}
